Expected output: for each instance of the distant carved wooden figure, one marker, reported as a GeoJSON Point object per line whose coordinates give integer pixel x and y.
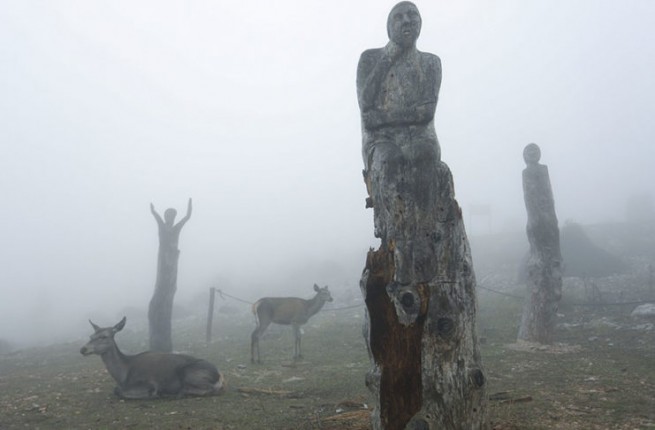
{"type": "Point", "coordinates": [160, 311]}
{"type": "Point", "coordinates": [152, 374]}
{"type": "Point", "coordinates": [291, 311]}
{"type": "Point", "coordinates": [544, 279]}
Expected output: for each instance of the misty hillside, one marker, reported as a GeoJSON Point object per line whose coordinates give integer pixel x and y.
{"type": "Point", "coordinates": [617, 244]}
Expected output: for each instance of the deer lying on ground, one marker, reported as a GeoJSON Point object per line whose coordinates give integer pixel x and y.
{"type": "Point", "coordinates": [152, 374]}
{"type": "Point", "coordinates": [287, 311]}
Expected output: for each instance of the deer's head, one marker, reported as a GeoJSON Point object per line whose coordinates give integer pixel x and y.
{"type": "Point", "coordinates": [323, 293]}
{"type": "Point", "coordinates": [102, 340]}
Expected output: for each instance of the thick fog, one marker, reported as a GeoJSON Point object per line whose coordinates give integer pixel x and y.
{"type": "Point", "coordinates": [250, 109]}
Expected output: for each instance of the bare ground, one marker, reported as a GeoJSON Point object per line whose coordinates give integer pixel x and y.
{"type": "Point", "coordinates": [600, 375]}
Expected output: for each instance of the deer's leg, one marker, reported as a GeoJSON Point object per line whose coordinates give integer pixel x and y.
{"type": "Point", "coordinates": [138, 391]}
{"type": "Point", "coordinates": [296, 345]}
{"type": "Point", "coordinates": [254, 345]}
{"type": "Point", "coordinates": [205, 388]}
{"type": "Point", "coordinates": [254, 340]}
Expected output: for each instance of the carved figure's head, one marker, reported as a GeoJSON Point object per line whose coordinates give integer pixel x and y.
{"type": "Point", "coordinates": [404, 24]}
{"type": "Point", "coordinates": [531, 154]}
{"type": "Point", "coordinates": [169, 216]}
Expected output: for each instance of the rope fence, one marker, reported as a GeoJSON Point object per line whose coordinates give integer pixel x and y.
{"type": "Point", "coordinates": [515, 296]}
{"type": "Point", "coordinates": [223, 295]}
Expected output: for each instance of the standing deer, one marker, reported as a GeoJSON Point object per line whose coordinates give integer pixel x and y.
{"type": "Point", "coordinates": [152, 374]}
{"type": "Point", "coordinates": [287, 311]}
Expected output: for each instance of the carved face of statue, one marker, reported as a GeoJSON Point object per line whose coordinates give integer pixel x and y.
{"type": "Point", "coordinates": [531, 154]}
{"type": "Point", "coordinates": [404, 24]}
{"type": "Point", "coordinates": [169, 216]}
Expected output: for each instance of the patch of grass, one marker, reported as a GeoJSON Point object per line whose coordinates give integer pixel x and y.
{"type": "Point", "coordinates": [606, 382]}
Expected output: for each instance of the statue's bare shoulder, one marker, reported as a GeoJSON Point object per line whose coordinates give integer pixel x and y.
{"type": "Point", "coordinates": [369, 57]}
{"type": "Point", "coordinates": [432, 59]}
{"type": "Point", "coordinates": [371, 54]}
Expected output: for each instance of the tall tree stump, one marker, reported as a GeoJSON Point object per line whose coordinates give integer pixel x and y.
{"type": "Point", "coordinates": [544, 266]}
{"type": "Point", "coordinates": [419, 286]}
{"type": "Point", "coordinates": [160, 311]}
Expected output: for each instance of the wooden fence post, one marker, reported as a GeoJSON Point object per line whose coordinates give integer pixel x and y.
{"type": "Point", "coordinates": [210, 313]}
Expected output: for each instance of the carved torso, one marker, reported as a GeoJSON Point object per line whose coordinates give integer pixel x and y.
{"type": "Point", "coordinates": [398, 103]}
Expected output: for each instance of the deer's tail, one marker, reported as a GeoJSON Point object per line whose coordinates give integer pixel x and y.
{"type": "Point", "coordinates": [219, 385]}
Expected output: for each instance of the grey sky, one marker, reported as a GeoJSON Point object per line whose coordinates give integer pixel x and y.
{"type": "Point", "coordinates": [250, 108]}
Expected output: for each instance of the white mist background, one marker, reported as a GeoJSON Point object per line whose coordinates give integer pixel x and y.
{"type": "Point", "coordinates": [250, 109]}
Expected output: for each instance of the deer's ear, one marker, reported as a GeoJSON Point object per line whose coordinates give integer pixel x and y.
{"type": "Point", "coordinates": [118, 327]}
{"type": "Point", "coordinates": [316, 287]}
{"type": "Point", "coordinates": [95, 327]}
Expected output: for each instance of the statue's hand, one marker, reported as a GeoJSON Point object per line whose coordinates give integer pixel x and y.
{"type": "Point", "coordinates": [392, 50]}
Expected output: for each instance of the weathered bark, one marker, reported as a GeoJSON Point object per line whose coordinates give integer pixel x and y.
{"type": "Point", "coordinates": [419, 286]}
{"type": "Point", "coordinates": [422, 336]}
{"type": "Point", "coordinates": [160, 311]}
{"type": "Point", "coordinates": [544, 277]}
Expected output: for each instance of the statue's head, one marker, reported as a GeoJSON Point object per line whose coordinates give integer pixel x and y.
{"type": "Point", "coordinates": [404, 24]}
{"type": "Point", "coordinates": [169, 216]}
{"type": "Point", "coordinates": [531, 154]}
